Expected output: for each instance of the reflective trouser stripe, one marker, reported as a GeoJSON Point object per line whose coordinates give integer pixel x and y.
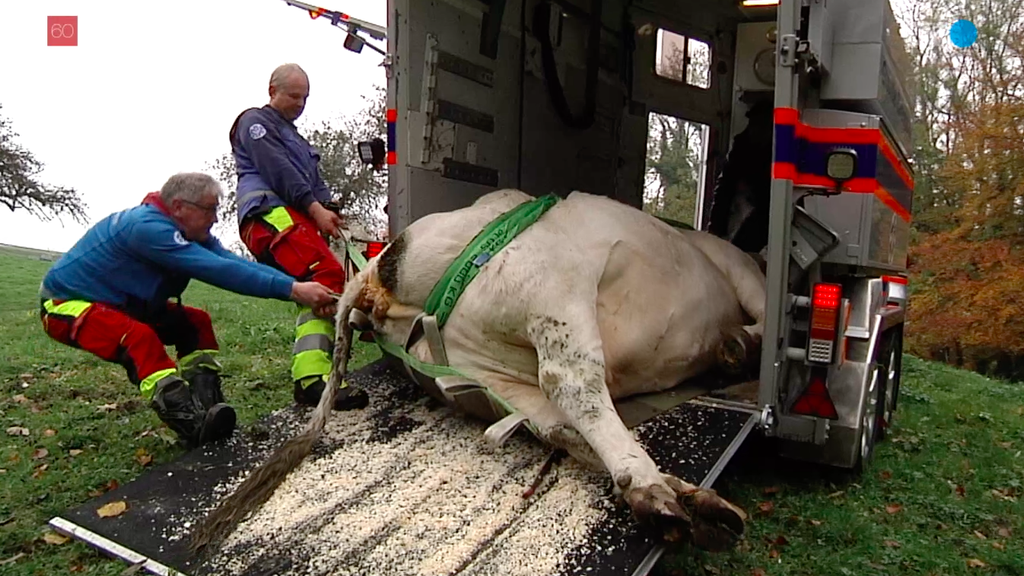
{"type": "Point", "coordinates": [149, 383]}
{"type": "Point", "coordinates": [73, 308]}
{"type": "Point", "coordinates": [200, 358]}
{"type": "Point", "coordinates": [279, 218]}
{"type": "Point", "coordinates": [314, 345]}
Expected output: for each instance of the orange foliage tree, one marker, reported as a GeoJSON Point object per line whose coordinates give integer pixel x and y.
{"type": "Point", "coordinates": [967, 273]}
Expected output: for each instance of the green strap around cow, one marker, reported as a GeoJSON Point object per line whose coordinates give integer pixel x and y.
{"type": "Point", "coordinates": [495, 236]}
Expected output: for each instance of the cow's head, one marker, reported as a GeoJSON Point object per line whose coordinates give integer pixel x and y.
{"type": "Point", "coordinates": [377, 304]}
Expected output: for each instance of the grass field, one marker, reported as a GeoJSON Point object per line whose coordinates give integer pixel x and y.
{"type": "Point", "coordinates": [944, 495]}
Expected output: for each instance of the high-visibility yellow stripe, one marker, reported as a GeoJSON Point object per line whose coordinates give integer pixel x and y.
{"type": "Point", "coordinates": [70, 308]}
{"type": "Point", "coordinates": [148, 384]}
{"type": "Point", "coordinates": [318, 326]}
{"type": "Point", "coordinates": [196, 359]}
{"type": "Point", "coordinates": [279, 218]}
{"type": "Point", "coordinates": [311, 363]}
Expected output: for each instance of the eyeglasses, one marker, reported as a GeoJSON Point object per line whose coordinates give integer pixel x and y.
{"type": "Point", "coordinates": [203, 207]}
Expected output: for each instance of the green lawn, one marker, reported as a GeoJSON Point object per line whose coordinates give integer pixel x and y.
{"type": "Point", "coordinates": [944, 496]}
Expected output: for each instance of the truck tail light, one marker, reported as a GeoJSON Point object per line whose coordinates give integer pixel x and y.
{"type": "Point", "coordinates": [373, 249]}
{"type": "Point", "coordinates": [815, 400]}
{"type": "Point", "coordinates": [825, 301]}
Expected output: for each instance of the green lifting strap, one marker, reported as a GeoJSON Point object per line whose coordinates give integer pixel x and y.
{"type": "Point", "coordinates": [495, 236]}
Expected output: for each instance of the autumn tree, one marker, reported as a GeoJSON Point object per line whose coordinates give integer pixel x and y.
{"type": "Point", "coordinates": [968, 265]}
{"type": "Point", "coordinates": [359, 190]}
{"type": "Point", "coordinates": [21, 189]}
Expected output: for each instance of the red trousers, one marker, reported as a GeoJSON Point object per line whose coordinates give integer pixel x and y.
{"type": "Point", "coordinates": [117, 337]}
{"type": "Point", "coordinates": [297, 249]}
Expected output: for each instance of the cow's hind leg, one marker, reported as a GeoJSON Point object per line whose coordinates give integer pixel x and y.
{"type": "Point", "coordinates": [571, 373]}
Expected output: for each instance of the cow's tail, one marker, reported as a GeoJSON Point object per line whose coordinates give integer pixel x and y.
{"type": "Point", "coordinates": [261, 483]}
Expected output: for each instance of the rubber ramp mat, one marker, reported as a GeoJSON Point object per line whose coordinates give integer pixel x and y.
{"type": "Point", "coordinates": [404, 487]}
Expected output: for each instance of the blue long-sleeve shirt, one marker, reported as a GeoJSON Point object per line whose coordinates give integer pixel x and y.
{"type": "Point", "coordinates": [138, 258]}
{"type": "Point", "coordinates": [276, 166]}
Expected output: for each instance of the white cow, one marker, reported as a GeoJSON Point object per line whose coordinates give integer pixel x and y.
{"type": "Point", "coordinates": [594, 302]}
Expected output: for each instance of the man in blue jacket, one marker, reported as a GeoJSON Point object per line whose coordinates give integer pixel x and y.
{"type": "Point", "coordinates": [110, 295]}
{"type": "Point", "coordinates": [283, 221]}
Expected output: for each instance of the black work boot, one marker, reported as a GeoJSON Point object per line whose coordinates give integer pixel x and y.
{"type": "Point", "coordinates": [347, 398]}
{"type": "Point", "coordinates": [195, 425]}
{"type": "Point", "coordinates": [203, 376]}
{"type": "Point", "coordinates": [205, 385]}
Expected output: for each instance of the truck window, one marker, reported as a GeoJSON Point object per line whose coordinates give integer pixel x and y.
{"type": "Point", "coordinates": [675, 168]}
{"type": "Point", "coordinates": [681, 58]}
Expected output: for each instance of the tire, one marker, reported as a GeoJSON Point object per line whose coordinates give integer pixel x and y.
{"type": "Point", "coordinates": [893, 365]}
{"type": "Point", "coordinates": [871, 419]}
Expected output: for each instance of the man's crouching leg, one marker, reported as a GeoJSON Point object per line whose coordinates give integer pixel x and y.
{"type": "Point", "coordinates": [311, 364]}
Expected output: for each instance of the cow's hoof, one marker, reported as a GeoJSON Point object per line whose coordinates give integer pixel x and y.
{"type": "Point", "coordinates": [737, 353]}
{"type": "Point", "coordinates": [658, 505]}
{"type": "Point", "coordinates": [715, 523]}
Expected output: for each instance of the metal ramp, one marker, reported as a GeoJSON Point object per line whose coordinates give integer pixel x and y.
{"type": "Point", "coordinates": [410, 487]}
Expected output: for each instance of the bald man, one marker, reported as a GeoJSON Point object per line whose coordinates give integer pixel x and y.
{"type": "Point", "coordinates": [283, 222]}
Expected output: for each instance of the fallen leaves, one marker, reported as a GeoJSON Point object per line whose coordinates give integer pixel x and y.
{"type": "Point", "coordinates": [40, 453]}
{"type": "Point", "coordinates": [893, 508]}
{"type": "Point", "coordinates": [961, 491]}
{"type": "Point", "coordinates": [1006, 494]}
{"type": "Point", "coordinates": [975, 563]}
{"type": "Point", "coordinates": [18, 431]}
{"type": "Point", "coordinates": [39, 471]}
{"type": "Point", "coordinates": [112, 485]}
{"type": "Point", "coordinates": [74, 452]}
{"type": "Point", "coordinates": [979, 535]}
{"type": "Point", "coordinates": [20, 399]}
{"type": "Point", "coordinates": [891, 544]}
{"type": "Point", "coordinates": [772, 490]}
{"type": "Point", "coordinates": [1004, 532]}
{"type": "Point", "coordinates": [766, 507]}
{"type": "Point", "coordinates": [143, 457]}
{"type": "Point", "coordinates": [55, 539]}
{"type": "Point", "coordinates": [112, 509]}
{"type": "Point", "coordinates": [885, 475]}
{"type": "Point", "coordinates": [49, 433]}
{"type": "Point", "coordinates": [757, 572]}
{"type": "Point", "coordinates": [106, 407]}
{"type": "Point", "coordinates": [999, 546]}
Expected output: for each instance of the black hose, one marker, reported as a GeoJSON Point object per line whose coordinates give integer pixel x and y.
{"type": "Point", "coordinates": [541, 20]}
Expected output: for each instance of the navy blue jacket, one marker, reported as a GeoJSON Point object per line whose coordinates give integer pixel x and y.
{"type": "Point", "coordinates": [276, 166]}
{"type": "Point", "coordinates": [138, 258]}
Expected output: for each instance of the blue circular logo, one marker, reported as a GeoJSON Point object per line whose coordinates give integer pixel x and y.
{"type": "Point", "coordinates": [963, 33]}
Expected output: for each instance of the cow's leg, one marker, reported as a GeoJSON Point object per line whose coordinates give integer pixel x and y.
{"type": "Point", "coordinates": [571, 373]}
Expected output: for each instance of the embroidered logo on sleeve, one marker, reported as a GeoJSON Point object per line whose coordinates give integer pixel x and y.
{"type": "Point", "coordinates": [179, 238]}
{"type": "Point", "coordinates": [257, 131]}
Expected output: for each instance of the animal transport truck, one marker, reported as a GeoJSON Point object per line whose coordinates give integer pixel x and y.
{"type": "Point", "coordinates": [805, 113]}
{"type": "Point", "coordinates": [811, 96]}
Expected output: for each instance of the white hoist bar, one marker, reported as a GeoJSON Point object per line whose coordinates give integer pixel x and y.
{"type": "Point", "coordinates": [340, 18]}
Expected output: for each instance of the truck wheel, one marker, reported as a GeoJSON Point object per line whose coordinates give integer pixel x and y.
{"type": "Point", "coordinates": [893, 365]}
{"type": "Point", "coordinates": [871, 417]}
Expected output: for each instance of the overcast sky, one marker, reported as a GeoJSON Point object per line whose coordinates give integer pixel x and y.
{"type": "Point", "coordinates": [153, 87]}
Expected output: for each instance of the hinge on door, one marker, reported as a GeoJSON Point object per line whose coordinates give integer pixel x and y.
{"type": "Point", "coordinates": [788, 46]}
